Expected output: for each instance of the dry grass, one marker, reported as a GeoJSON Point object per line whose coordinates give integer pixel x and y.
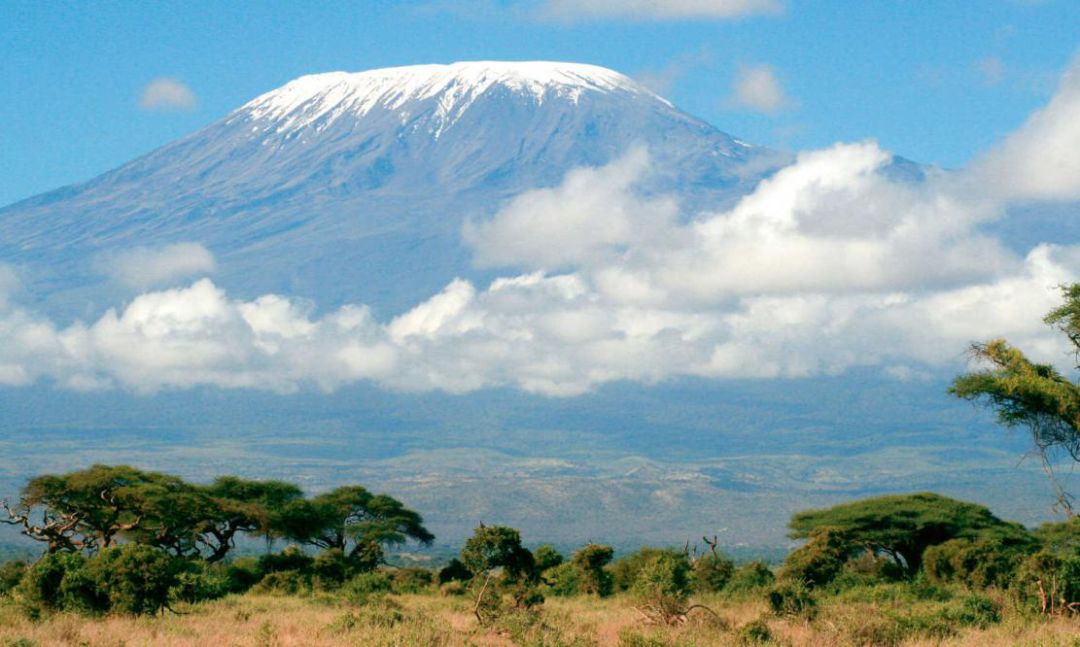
{"type": "Point", "coordinates": [418, 620]}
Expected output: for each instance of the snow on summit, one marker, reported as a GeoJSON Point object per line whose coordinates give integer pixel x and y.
{"type": "Point", "coordinates": [321, 98]}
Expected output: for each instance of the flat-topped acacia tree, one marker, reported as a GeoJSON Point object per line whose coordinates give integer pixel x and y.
{"type": "Point", "coordinates": [904, 526]}
{"type": "Point", "coordinates": [1032, 395]}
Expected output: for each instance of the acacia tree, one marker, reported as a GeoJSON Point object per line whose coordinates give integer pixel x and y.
{"type": "Point", "coordinates": [353, 520]}
{"type": "Point", "coordinates": [904, 526]}
{"type": "Point", "coordinates": [1032, 395]}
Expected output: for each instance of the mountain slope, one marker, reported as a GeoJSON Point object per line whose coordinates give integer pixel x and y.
{"type": "Point", "coordinates": [353, 187]}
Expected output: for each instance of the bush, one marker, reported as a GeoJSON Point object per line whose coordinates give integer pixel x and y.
{"type": "Point", "coordinates": [624, 571]}
{"type": "Point", "coordinates": [976, 564]}
{"type": "Point", "coordinates": [563, 580]}
{"type": "Point", "coordinates": [412, 580]}
{"type": "Point", "coordinates": [11, 573]}
{"type": "Point", "coordinates": [547, 557]}
{"type": "Point", "coordinates": [284, 583]}
{"type": "Point", "coordinates": [137, 578]}
{"type": "Point", "coordinates": [1049, 583]}
{"type": "Point", "coordinates": [454, 571]}
{"type": "Point", "coordinates": [791, 598]}
{"type": "Point", "coordinates": [243, 574]}
{"type": "Point", "coordinates": [365, 586]}
{"type": "Point", "coordinates": [974, 611]}
{"type": "Point", "coordinates": [59, 582]}
{"type": "Point", "coordinates": [754, 633]}
{"type": "Point", "coordinates": [663, 585]}
{"type": "Point", "coordinates": [589, 562]}
{"type": "Point", "coordinates": [820, 559]}
{"type": "Point", "coordinates": [751, 577]}
{"type": "Point", "coordinates": [199, 582]}
{"type": "Point", "coordinates": [452, 589]}
{"type": "Point", "coordinates": [331, 568]}
{"type": "Point", "coordinates": [289, 559]}
{"type": "Point", "coordinates": [712, 572]}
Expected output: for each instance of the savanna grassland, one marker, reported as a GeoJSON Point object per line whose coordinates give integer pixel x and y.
{"type": "Point", "coordinates": [879, 616]}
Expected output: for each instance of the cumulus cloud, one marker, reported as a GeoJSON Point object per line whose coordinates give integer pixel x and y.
{"type": "Point", "coordinates": [1041, 160]}
{"type": "Point", "coordinates": [652, 10]}
{"type": "Point", "coordinates": [841, 259]}
{"type": "Point", "coordinates": [757, 88]}
{"type": "Point", "coordinates": [165, 93]}
{"type": "Point", "coordinates": [145, 267]}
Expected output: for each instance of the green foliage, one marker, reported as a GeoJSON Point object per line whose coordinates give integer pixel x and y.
{"type": "Point", "coordinates": [589, 562]}
{"type": "Point", "coordinates": [454, 571]}
{"type": "Point", "coordinates": [243, 574]}
{"type": "Point", "coordinates": [791, 598]}
{"type": "Point", "coordinates": [904, 526]}
{"type": "Point", "coordinates": [137, 578]}
{"type": "Point", "coordinates": [1049, 583]}
{"type": "Point", "coordinates": [663, 585]}
{"type": "Point", "coordinates": [564, 580]}
{"type": "Point", "coordinates": [712, 572]}
{"type": "Point", "coordinates": [975, 564]}
{"type": "Point", "coordinates": [58, 582]}
{"type": "Point", "coordinates": [291, 558]}
{"type": "Point", "coordinates": [624, 571]}
{"type": "Point", "coordinates": [199, 581]}
{"type": "Point", "coordinates": [355, 521]}
{"type": "Point", "coordinates": [1062, 538]}
{"type": "Point", "coordinates": [750, 578]}
{"type": "Point", "coordinates": [547, 557]}
{"type": "Point", "coordinates": [820, 559]}
{"type": "Point", "coordinates": [331, 568]}
{"type": "Point", "coordinates": [499, 547]}
{"type": "Point", "coordinates": [367, 585]}
{"type": "Point", "coordinates": [756, 632]}
{"type": "Point", "coordinates": [285, 583]}
{"type": "Point", "coordinates": [11, 573]}
{"type": "Point", "coordinates": [413, 580]}
{"type": "Point", "coordinates": [452, 588]}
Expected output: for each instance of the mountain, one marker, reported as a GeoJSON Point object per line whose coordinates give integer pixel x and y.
{"type": "Point", "coordinates": [347, 187]}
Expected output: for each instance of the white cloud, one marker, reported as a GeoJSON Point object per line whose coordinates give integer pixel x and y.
{"type": "Point", "coordinates": [1041, 160]}
{"type": "Point", "coordinates": [653, 10]}
{"type": "Point", "coordinates": [145, 267]}
{"type": "Point", "coordinates": [757, 88]}
{"type": "Point", "coordinates": [831, 263]}
{"type": "Point", "coordinates": [165, 93]}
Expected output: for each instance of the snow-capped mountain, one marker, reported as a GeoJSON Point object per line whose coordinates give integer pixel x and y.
{"type": "Point", "coordinates": [353, 187]}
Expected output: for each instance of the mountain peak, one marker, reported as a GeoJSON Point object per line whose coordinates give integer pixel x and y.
{"type": "Point", "coordinates": [319, 99]}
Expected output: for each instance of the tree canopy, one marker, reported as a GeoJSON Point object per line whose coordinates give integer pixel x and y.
{"type": "Point", "coordinates": [93, 509]}
{"type": "Point", "coordinates": [904, 526]}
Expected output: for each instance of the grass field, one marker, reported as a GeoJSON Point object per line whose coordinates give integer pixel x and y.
{"type": "Point", "coordinates": [430, 620]}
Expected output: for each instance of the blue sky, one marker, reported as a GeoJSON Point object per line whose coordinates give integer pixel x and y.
{"type": "Point", "coordinates": [934, 81]}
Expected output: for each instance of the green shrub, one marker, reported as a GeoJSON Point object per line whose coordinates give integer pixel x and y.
{"type": "Point", "coordinates": [563, 580]}
{"type": "Point", "coordinates": [547, 557]}
{"type": "Point", "coordinates": [242, 574]}
{"type": "Point", "coordinates": [589, 562]}
{"type": "Point", "coordinates": [791, 598]}
{"type": "Point", "coordinates": [412, 580]}
{"type": "Point", "coordinates": [452, 589]}
{"type": "Point", "coordinates": [137, 578]}
{"type": "Point", "coordinates": [289, 559]}
{"type": "Point", "coordinates": [820, 559]}
{"type": "Point", "coordinates": [663, 585]}
{"type": "Point", "coordinates": [624, 571]}
{"type": "Point", "coordinates": [976, 564]}
{"type": "Point", "coordinates": [284, 583]}
{"type": "Point", "coordinates": [454, 571]}
{"type": "Point", "coordinates": [11, 573]}
{"type": "Point", "coordinates": [365, 586]}
{"type": "Point", "coordinates": [974, 611]}
{"type": "Point", "coordinates": [331, 568]}
{"type": "Point", "coordinates": [59, 582]}
{"type": "Point", "coordinates": [756, 632]}
{"type": "Point", "coordinates": [198, 581]}
{"type": "Point", "coordinates": [751, 577]}
{"type": "Point", "coordinates": [1048, 582]}
{"type": "Point", "coordinates": [712, 572]}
